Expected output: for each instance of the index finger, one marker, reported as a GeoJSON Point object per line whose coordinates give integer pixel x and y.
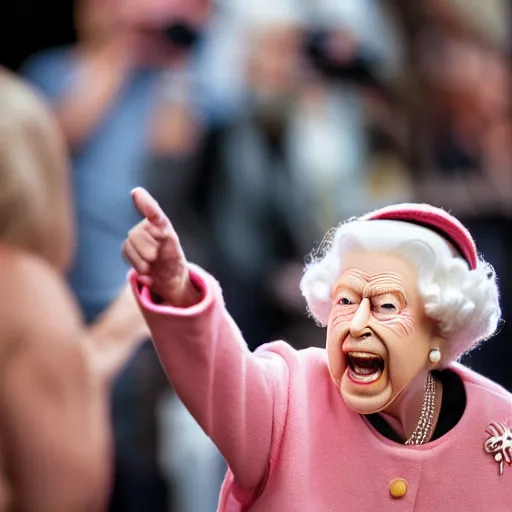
{"type": "Point", "coordinates": [148, 207]}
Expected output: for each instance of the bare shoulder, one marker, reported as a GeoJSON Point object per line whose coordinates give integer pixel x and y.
{"type": "Point", "coordinates": [37, 310]}
{"type": "Point", "coordinates": [53, 410]}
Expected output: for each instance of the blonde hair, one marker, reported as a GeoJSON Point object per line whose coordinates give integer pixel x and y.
{"type": "Point", "coordinates": [33, 170]}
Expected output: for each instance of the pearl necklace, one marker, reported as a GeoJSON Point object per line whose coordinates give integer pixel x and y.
{"type": "Point", "coordinates": [428, 409]}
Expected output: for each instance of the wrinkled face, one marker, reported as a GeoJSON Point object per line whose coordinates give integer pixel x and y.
{"type": "Point", "coordinates": [378, 336]}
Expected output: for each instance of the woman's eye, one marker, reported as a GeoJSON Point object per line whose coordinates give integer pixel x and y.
{"type": "Point", "coordinates": [345, 302]}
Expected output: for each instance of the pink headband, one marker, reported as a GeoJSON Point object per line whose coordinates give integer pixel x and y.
{"type": "Point", "coordinates": [435, 219]}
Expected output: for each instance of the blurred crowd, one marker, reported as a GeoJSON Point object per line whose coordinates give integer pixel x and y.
{"type": "Point", "coordinates": [258, 126]}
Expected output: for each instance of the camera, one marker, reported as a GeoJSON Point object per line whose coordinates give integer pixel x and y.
{"type": "Point", "coordinates": [359, 67]}
{"type": "Point", "coordinates": [181, 34]}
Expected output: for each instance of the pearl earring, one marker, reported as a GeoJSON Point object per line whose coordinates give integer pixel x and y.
{"type": "Point", "coordinates": [434, 355]}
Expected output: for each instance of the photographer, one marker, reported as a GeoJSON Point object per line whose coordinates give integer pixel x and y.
{"type": "Point", "coordinates": [300, 144]}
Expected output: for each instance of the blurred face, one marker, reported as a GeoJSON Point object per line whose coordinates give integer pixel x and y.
{"type": "Point", "coordinates": [99, 20]}
{"type": "Point", "coordinates": [378, 336]}
{"type": "Point", "coordinates": [275, 60]}
{"type": "Point", "coordinates": [158, 13]}
{"type": "Point", "coordinates": [457, 68]}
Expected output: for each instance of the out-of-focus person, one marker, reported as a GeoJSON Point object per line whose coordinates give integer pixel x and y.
{"type": "Point", "coordinates": [110, 93]}
{"type": "Point", "coordinates": [55, 374]}
{"type": "Point", "coordinates": [459, 90]}
{"type": "Point", "coordinates": [106, 94]}
{"type": "Point", "coordinates": [295, 157]}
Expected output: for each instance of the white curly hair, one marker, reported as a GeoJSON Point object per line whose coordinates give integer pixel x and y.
{"type": "Point", "coordinates": [464, 302]}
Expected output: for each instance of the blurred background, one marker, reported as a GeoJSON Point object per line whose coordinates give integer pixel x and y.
{"type": "Point", "coordinates": [259, 125]}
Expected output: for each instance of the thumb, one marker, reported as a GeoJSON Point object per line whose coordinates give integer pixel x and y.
{"type": "Point", "coordinates": [148, 207]}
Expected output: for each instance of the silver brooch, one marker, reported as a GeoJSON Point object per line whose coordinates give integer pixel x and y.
{"type": "Point", "coordinates": [499, 444]}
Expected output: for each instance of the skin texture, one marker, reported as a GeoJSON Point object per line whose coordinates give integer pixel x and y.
{"type": "Point", "coordinates": [376, 308]}
{"type": "Point", "coordinates": [53, 405]}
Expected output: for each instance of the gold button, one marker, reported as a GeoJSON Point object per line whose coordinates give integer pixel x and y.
{"type": "Point", "coordinates": [398, 488]}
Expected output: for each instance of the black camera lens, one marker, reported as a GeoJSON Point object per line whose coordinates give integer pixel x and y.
{"type": "Point", "coordinates": [181, 34]}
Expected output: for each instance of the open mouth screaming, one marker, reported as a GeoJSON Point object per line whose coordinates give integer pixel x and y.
{"type": "Point", "coordinates": [363, 367]}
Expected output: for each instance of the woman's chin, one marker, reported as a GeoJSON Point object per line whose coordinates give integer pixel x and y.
{"type": "Point", "coordinates": [365, 397]}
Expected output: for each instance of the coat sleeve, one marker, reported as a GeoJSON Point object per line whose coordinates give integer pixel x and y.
{"type": "Point", "coordinates": [239, 398]}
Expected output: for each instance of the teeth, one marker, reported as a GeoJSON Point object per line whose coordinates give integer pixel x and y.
{"type": "Point", "coordinates": [363, 355]}
{"type": "Point", "coordinates": [364, 367]}
{"type": "Point", "coordinates": [365, 378]}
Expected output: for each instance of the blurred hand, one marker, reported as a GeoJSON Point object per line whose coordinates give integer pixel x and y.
{"type": "Point", "coordinates": [153, 249]}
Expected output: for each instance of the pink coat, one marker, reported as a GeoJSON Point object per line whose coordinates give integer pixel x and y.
{"type": "Point", "coordinates": [291, 443]}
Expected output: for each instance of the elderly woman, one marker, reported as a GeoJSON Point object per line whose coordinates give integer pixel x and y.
{"type": "Point", "coordinates": [384, 418]}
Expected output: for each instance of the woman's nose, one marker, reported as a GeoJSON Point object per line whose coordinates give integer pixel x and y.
{"type": "Point", "coordinates": [359, 324]}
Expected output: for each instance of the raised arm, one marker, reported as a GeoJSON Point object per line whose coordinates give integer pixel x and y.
{"type": "Point", "coordinates": [53, 409]}
{"type": "Point", "coordinates": [237, 397]}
